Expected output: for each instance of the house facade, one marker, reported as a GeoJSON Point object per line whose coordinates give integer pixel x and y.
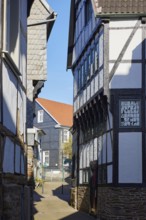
{"type": "Point", "coordinates": [40, 23]}
{"type": "Point", "coordinates": [39, 26]}
{"type": "Point", "coordinates": [106, 53]}
{"type": "Point", "coordinates": [13, 148]}
{"type": "Point", "coordinates": [55, 119]}
{"type": "Point", "coordinates": [16, 199]}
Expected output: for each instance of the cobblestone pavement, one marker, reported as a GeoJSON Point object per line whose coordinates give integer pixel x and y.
{"type": "Point", "coordinates": [52, 203]}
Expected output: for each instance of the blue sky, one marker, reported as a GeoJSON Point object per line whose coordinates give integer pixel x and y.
{"type": "Point", "coordinates": [59, 85]}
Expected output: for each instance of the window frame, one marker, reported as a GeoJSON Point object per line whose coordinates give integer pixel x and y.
{"type": "Point", "coordinates": [40, 116]}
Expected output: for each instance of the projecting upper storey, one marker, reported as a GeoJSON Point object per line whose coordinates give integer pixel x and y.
{"type": "Point", "coordinates": [117, 7]}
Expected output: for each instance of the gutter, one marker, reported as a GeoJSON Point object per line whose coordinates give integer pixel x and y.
{"type": "Point", "coordinates": [43, 22]}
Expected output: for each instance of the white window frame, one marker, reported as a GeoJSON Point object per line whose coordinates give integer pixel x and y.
{"type": "Point", "coordinates": [46, 157]}
{"type": "Point", "coordinates": [40, 116]}
{"type": "Point", "coordinates": [65, 135]}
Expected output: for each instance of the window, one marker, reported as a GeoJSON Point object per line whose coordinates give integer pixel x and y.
{"type": "Point", "coordinates": [88, 11]}
{"type": "Point", "coordinates": [129, 113]}
{"type": "Point", "coordinates": [65, 136]}
{"type": "Point", "coordinates": [96, 56]}
{"type": "Point", "coordinates": [12, 26]}
{"type": "Point", "coordinates": [46, 158]}
{"type": "Point", "coordinates": [40, 116]}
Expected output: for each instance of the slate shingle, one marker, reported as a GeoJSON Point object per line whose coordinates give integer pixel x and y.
{"type": "Point", "coordinates": [120, 6]}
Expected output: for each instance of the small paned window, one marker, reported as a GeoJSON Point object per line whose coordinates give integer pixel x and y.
{"type": "Point", "coordinates": [129, 113]}
{"type": "Point", "coordinates": [65, 136]}
{"type": "Point", "coordinates": [79, 79]}
{"type": "Point", "coordinates": [96, 57]}
{"type": "Point", "coordinates": [82, 76]}
{"type": "Point", "coordinates": [85, 176]}
{"type": "Point", "coordinates": [88, 11]}
{"type": "Point", "coordinates": [46, 158]}
{"type": "Point", "coordinates": [88, 66]}
{"type": "Point", "coordinates": [85, 71]}
{"type": "Point", "coordinates": [40, 116]}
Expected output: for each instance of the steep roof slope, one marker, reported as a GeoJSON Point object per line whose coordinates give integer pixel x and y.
{"type": "Point", "coordinates": [62, 113]}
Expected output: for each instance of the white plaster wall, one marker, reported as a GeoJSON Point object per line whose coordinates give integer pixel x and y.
{"type": "Point", "coordinates": [134, 50]}
{"type": "Point", "coordinates": [122, 23]}
{"type": "Point", "coordinates": [117, 39]}
{"type": "Point", "coordinates": [127, 75]}
{"type": "Point", "coordinates": [130, 157]}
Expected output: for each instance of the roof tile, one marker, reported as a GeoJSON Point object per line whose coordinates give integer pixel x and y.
{"type": "Point", "coordinates": [62, 113]}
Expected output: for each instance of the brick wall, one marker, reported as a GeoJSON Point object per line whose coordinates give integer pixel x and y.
{"type": "Point", "coordinates": [115, 203]}
{"type": "Point", "coordinates": [121, 203]}
{"type": "Point", "coordinates": [83, 197]}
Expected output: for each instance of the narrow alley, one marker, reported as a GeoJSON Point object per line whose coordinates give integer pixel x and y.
{"type": "Point", "coordinates": [52, 202]}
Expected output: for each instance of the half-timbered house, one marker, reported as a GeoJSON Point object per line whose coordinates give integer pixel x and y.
{"type": "Point", "coordinates": [13, 151]}
{"type": "Point", "coordinates": [15, 193]}
{"type": "Point", "coordinates": [107, 55]}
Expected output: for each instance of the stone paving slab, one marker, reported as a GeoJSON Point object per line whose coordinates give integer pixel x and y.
{"type": "Point", "coordinates": [51, 204]}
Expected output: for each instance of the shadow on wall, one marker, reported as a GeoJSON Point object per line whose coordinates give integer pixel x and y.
{"type": "Point", "coordinates": [128, 75]}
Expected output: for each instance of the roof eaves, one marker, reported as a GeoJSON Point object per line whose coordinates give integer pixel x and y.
{"type": "Point", "coordinates": [101, 15]}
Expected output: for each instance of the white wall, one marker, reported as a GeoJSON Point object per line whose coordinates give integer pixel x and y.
{"type": "Point", "coordinates": [126, 76]}
{"type": "Point", "coordinates": [130, 157]}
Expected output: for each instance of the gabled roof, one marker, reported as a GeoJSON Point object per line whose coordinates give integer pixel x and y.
{"type": "Point", "coordinates": [119, 7]}
{"type": "Point", "coordinates": [60, 112]}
